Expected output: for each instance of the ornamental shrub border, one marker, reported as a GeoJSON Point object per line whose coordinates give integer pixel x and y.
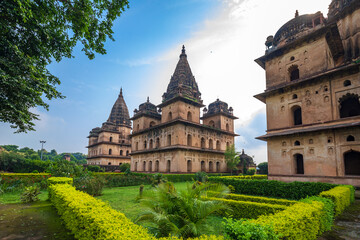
{"type": "Point", "coordinates": [60, 180]}
{"type": "Point", "coordinates": [247, 177]}
{"type": "Point", "coordinates": [342, 196]}
{"type": "Point", "coordinates": [90, 218]}
{"type": "Point", "coordinates": [248, 209]}
{"type": "Point", "coordinates": [16, 181]}
{"type": "Point", "coordinates": [276, 201]}
{"type": "Point", "coordinates": [273, 188]}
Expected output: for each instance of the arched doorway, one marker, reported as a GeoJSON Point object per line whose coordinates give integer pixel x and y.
{"type": "Point", "coordinates": [218, 145]}
{"type": "Point", "coordinates": [299, 163]}
{"type": "Point", "coordinates": [157, 142]}
{"type": "Point", "coordinates": [189, 116]}
{"type": "Point", "coordinates": [217, 166]}
{"type": "Point", "coordinates": [297, 116]}
{"type": "Point", "coordinates": [189, 166]}
{"type": "Point", "coordinates": [203, 166]}
{"type": "Point", "coordinates": [168, 166]}
{"type": "Point", "coordinates": [352, 162]}
{"type": "Point", "coordinates": [136, 166]}
{"type": "Point", "coordinates": [211, 144]}
{"type": "Point", "coordinates": [144, 166]}
{"type": "Point", "coordinates": [202, 142]}
{"type": "Point", "coordinates": [151, 144]}
{"type": "Point", "coordinates": [349, 105]}
{"type": "Point", "coordinates": [157, 166]}
{"type": "Point", "coordinates": [294, 72]}
{"type": "Point", "coordinates": [189, 140]}
{"type": "Point", "coordinates": [150, 166]}
{"type": "Point", "coordinates": [211, 166]}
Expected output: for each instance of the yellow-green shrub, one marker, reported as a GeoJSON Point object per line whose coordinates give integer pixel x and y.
{"type": "Point", "coordinates": [241, 197]}
{"type": "Point", "coordinates": [246, 209]}
{"type": "Point", "coordinates": [59, 180]}
{"type": "Point", "coordinates": [300, 221]}
{"type": "Point", "coordinates": [247, 177]}
{"type": "Point", "coordinates": [90, 218]}
{"type": "Point", "coordinates": [340, 195]}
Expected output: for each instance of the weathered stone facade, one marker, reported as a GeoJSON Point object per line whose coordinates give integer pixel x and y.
{"type": "Point", "coordinates": [312, 97]}
{"type": "Point", "coordinates": [172, 139]}
{"type": "Point", "coordinates": [111, 144]}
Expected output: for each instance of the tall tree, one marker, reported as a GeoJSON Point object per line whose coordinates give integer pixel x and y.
{"type": "Point", "coordinates": [231, 158]}
{"type": "Point", "coordinates": [35, 32]}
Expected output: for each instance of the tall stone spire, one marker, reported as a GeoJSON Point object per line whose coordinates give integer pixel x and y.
{"type": "Point", "coordinates": [119, 113]}
{"type": "Point", "coordinates": [182, 82]}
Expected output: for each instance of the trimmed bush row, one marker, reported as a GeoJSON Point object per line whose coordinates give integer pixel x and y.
{"type": "Point", "coordinates": [247, 177]}
{"type": "Point", "coordinates": [90, 218]}
{"type": "Point", "coordinates": [24, 174]}
{"type": "Point", "coordinates": [342, 196]}
{"type": "Point", "coordinates": [20, 180]}
{"type": "Point", "coordinates": [240, 197]}
{"type": "Point", "coordinates": [277, 189]}
{"type": "Point", "coordinates": [59, 180]}
{"type": "Point", "coordinates": [246, 209]}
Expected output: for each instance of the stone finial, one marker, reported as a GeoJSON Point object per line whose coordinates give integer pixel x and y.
{"type": "Point", "coordinates": [148, 99]}
{"type": "Point", "coordinates": [296, 13]}
{"type": "Point", "coordinates": [183, 49]}
{"type": "Point", "coordinates": [120, 92]}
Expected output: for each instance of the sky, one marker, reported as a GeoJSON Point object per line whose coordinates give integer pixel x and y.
{"type": "Point", "coordinates": [222, 40]}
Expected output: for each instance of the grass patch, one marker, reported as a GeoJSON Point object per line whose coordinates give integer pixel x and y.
{"type": "Point", "coordinates": [14, 197]}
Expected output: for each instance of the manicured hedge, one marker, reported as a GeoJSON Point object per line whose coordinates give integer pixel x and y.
{"type": "Point", "coordinates": [341, 196]}
{"type": "Point", "coordinates": [90, 218]}
{"type": "Point", "coordinates": [240, 197]}
{"type": "Point", "coordinates": [246, 209]}
{"type": "Point", "coordinates": [247, 177]}
{"type": "Point", "coordinates": [59, 180]}
{"type": "Point", "coordinates": [20, 180]}
{"type": "Point", "coordinates": [277, 189]}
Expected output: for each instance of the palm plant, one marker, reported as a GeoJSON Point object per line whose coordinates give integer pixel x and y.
{"type": "Point", "coordinates": [181, 214]}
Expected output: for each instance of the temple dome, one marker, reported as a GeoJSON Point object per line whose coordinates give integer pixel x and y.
{"type": "Point", "coordinates": [297, 27]}
{"type": "Point", "coordinates": [182, 82]}
{"type": "Point", "coordinates": [146, 108]}
{"type": "Point", "coordinates": [119, 113]}
{"type": "Point", "coordinates": [219, 107]}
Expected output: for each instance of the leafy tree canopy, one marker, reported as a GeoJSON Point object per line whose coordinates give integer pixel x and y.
{"type": "Point", "coordinates": [263, 168]}
{"type": "Point", "coordinates": [35, 32]}
{"type": "Point", "coordinates": [232, 158]}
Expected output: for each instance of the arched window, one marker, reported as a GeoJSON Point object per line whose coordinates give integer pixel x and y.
{"type": "Point", "coordinates": [211, 144]}
{"type": "Point", "coordinates": [294, 72]}
{"type": "Point", "coordinates": [349, 105]}
{"type": "Point", "coordinates": [136, 146]}
{"type": "Point", "coordinates": [294, 96]}
{"type": "Point", "coordinates": [157, 166]}
{"type": "Point", "coordinates": [136, 166]}
{"type": "Point", "coordinates": [189, 116]}
{"type": "Point", "coordinates": [202, 166]}
{"type": "Point", "coordinates": [120, 164]}
{"type": "Point", "coordinates": [145, 144]}
{"type": "Point", "coordinates": [350, 138]}
{"type": "Point", "coordinates": [352, 162]}
{"type": "Point", "coordinates": [151, 144]}
{"type": "Point", "coordinates": [296, 143]}
{"type": "Point", "coordinates": [157, 142]}
{"type": "Point", "coordinates": [202, 142]}
{"type": "Point", "coordinates": [150, 166]}
{"type": "Point", "coordinates": [211, 166]}
{"type": "Point", "coordinates": [137, 127]}
{"type": "Point", "coordinates": [109, 163]}
{"type": "Point", "coordinates": [152, 123]}
{"type": "Point", "coordinates": [121, 152]}
{"type": "Point", "coordinates": [168, 166]}
{"type": "Point", "coordinates": [347, 83]}
{"type": "Point", "coordinates": [218, 145]}
{"type": "Point", "coordinates": [110, 139]}
{"type": "Point", "coordinates": [127, 153]}
{"type": "Point", "coordinates": [189, 140]}
{"type": "Point", "coordinates": [169, 140]}
{"type": "Point", "coordinates": [217, 166]}
{"type": "Point", "coordinates": [144, 166]}
{"type": "Point", "coordinates": [110, 151]}
{"type": "Point", "coordinates": [170, 116]}
{"type": "Point", "coordinates": [299, 164]}
{"type": "Point", "coordinates": [297, 118]}
{"type": "Point", "coordinates": [212, 123]}
{"type": "Point", "coordinates": [189, 166]}
{"type": "Point", "coordinates": [227, 127]}
{"type": "Point", "coordinates": [227, 145]}
{"type": "Point", "coordinates": [292, 58]}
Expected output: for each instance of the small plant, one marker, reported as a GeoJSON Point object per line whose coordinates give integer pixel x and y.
{"type": "Point", "coordinates": [250, 172]}
{"type": "Point", "coordinates": [141, 190]}
{"type": "Point", "coordinates": [157, 179]}
{"type": "Point", "coordinates": [124, 167]}
{"type": "Point", "coordinates": [30, 194]}
{"type": "Point", "coordinates": [201, 177]}
{"type": "Point", "coordinates": [89, 184]}
{"type": "Point", "coordinates": [231, 188]}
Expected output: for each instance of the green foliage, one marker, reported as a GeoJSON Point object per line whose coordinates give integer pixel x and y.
{"type": "Point", "coordinates": [60, 180]}
{"type": "Point", "coordinates": [179, 213]}
{"type": "Point", "coordinates": [263, 168]}
{"type": "Point", "coordinates": [272, 188]}
{"type": "Point", "coordinates": [352, 192]}
{"type": "Point", "coordinates": [124, 167]}
{"type": "Point", "coordinates": [247, 177]}
{"type": "Point", "coordinates": [341, 196]}
{"type": "Point", "coordinates": [276, 201]}
{"type": "Point", "coordinates": [10, 182]}
{"type": "Point", "coordinates": [89, 184]}
{"type": "Point", "coordinates": [250, 172]}
{"type": "Point", "coordinates": [157, 179]}
{"type": "Point", "coordinates": [201, 177]}
{"type": "Point", "coordinates": [231, 158]}
{"type": "Point", "coordinates": [63, 168]}
{"type": "Point", "coordinates": [231, 188]}
{"type": "Point", "coordinates": [33, 34]}
{"type": "Point", "coordinates": [93, 168]}
{"type": "Point", "coordinates": [327, 212]}
{"type": "Point", "coordinates": [246, 230]}
{"type": "Point", "coordinates": [30, 194]}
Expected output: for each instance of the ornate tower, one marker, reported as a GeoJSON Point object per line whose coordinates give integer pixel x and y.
{"type": "Point", "coordinates": [110, 144]}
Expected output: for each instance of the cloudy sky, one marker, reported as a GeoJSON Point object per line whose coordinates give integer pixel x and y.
{"type": "Point", "coordinates": [222, 39]}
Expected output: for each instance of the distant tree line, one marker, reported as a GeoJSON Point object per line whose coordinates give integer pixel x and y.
{"type": "Point", "coordinates": [13, 159]}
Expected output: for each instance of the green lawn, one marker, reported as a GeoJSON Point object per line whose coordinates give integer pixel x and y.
{"type": "Point", "coordinates": [14, 197]}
